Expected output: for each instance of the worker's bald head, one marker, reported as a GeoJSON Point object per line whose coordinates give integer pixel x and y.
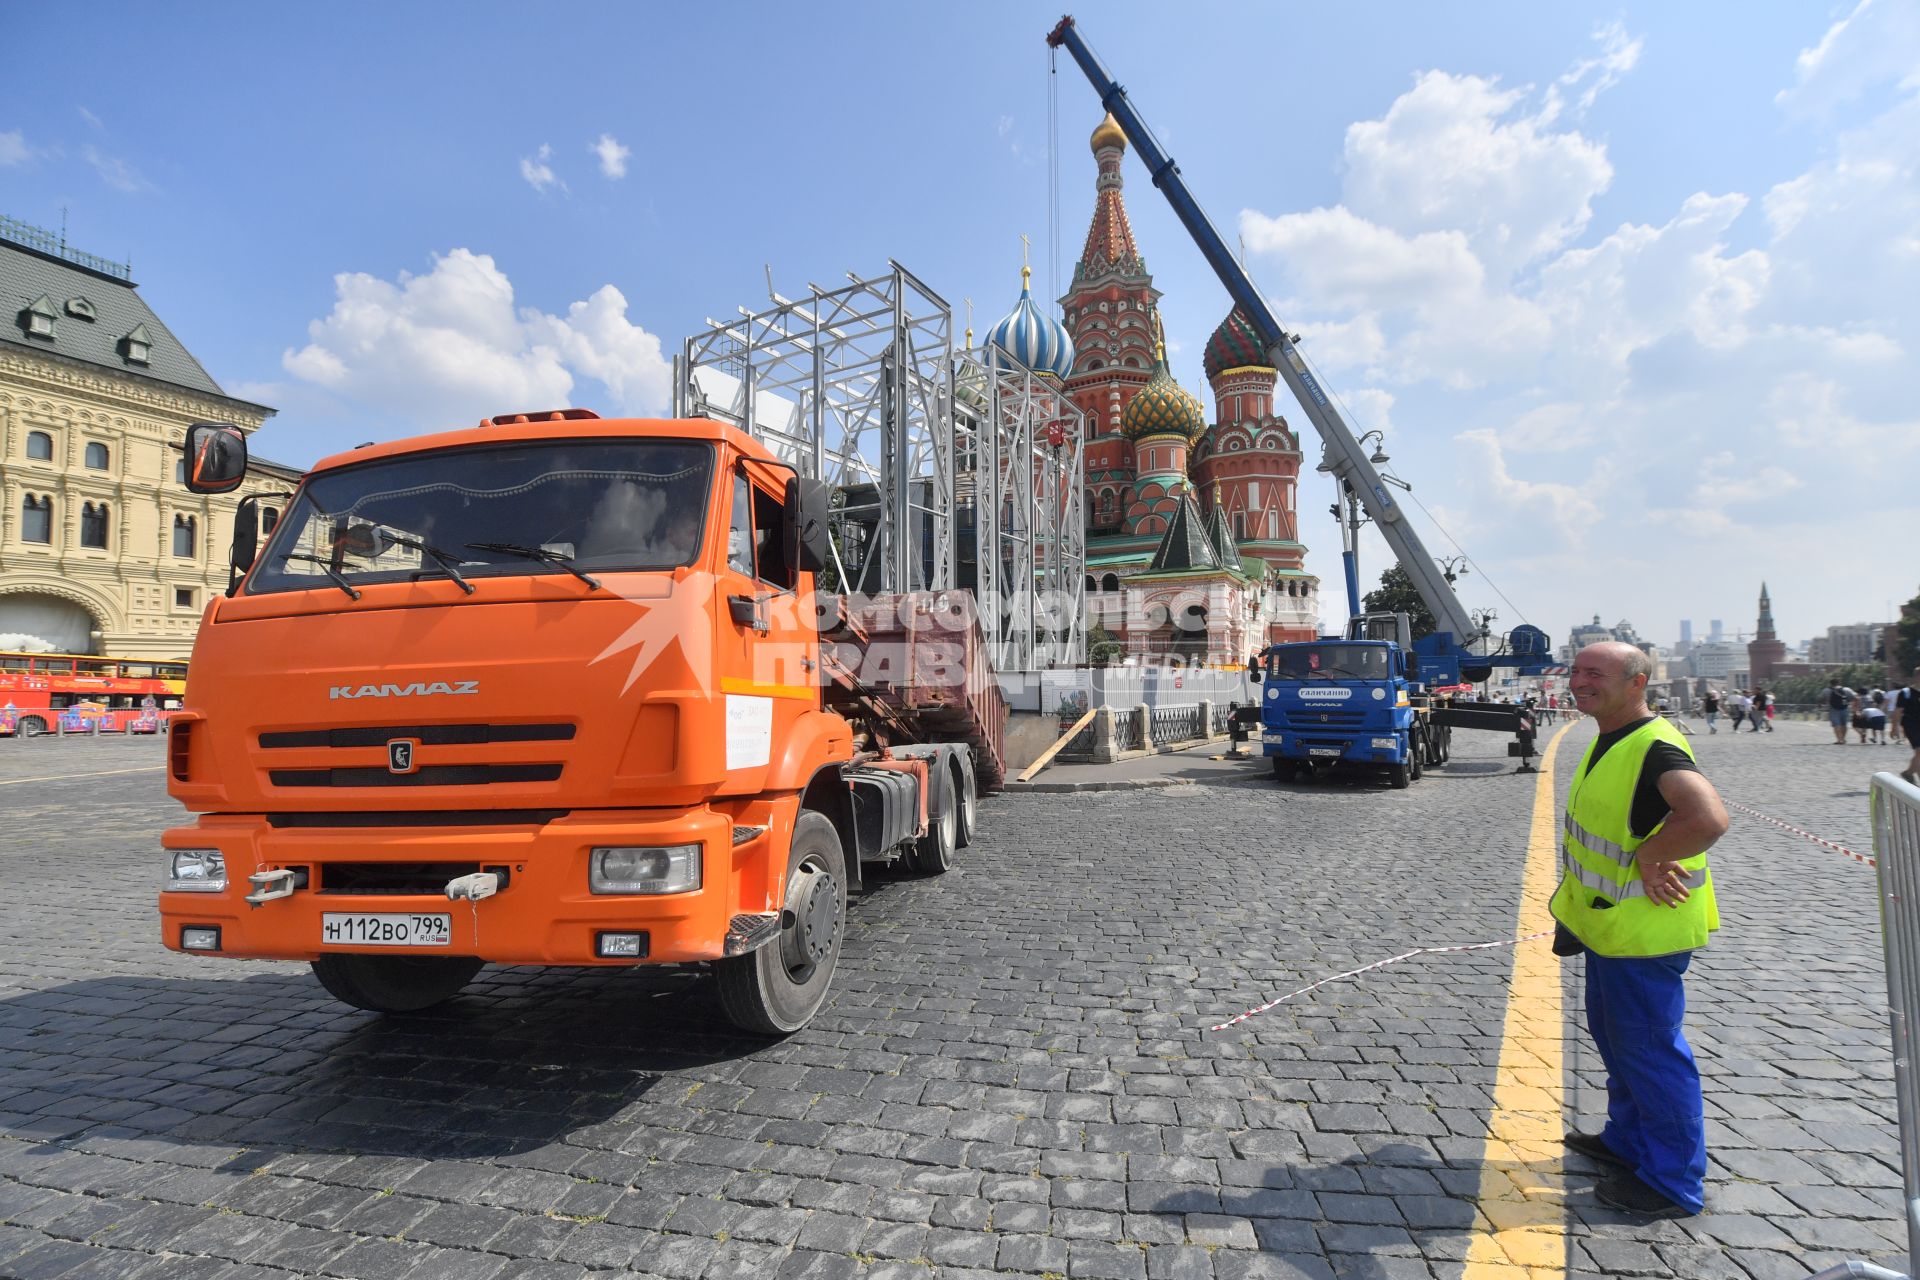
{"type": "Point", "coordinates": [1608, 681]}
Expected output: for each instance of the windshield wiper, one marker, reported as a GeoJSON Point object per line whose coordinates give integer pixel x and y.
{"type": "Point", "coordinates": [326, 566]}
{"type": "Point", "coordinates": [440, 557]}
{"type": "Point", "coordinates": [537, 553]}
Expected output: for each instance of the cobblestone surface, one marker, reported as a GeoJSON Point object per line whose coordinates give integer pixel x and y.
{"type": "Point", "coordinates": [1011, 1076]}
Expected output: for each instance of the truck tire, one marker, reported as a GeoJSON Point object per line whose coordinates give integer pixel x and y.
{"type": "Point", "coordinates": [1416, 756]}
{"type": "Point", "coordinates": [1284, 770]}
{"type": "Point", "coordinates": [394, 984]}
{"type": "Point", "coordinates": [774, 990]}
{"type": "Point", "coordinates": [933, 853]}
{"type": "Point", "coordinates": [31, 726]}
{"type": "Point", "coordinates": [1399, 776]}
{"type": "Point", "coordinates": [968, 813]}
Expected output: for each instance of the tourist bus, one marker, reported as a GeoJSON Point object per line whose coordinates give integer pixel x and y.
{"type": "Point", "coordinates": [44, 692]}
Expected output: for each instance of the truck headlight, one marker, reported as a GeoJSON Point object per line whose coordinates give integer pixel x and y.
{"type": "Point", "coordinates": [672, 869]}
{"type": "Point", "coordinates": [1386, 744]}
{"type": "Point", "coordinates": [197, 871]}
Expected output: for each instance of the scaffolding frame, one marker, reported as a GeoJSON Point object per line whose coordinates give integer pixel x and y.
{"type": "Point", "coordinates": [862, 385]}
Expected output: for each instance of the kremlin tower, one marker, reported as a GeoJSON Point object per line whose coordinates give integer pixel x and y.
{"type": "Point", "coordinates": [1765, 650]}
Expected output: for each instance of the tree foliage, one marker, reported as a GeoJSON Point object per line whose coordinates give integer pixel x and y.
{"type": "Point", "coordinates": [1102, 648]}
{"type": "Point", "coordinates": [1812, 690]}
{"type": "Point", "coordinates": [1906, 650]}
{"type": "Point", "coordinates": [1397, 594]}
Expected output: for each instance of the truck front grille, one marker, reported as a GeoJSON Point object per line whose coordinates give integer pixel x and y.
{"type": "Point", "coordinates": [427, 735]}
{"type": "Point", "coordinates": [1304, 720]}
{"type": "Point", "coordinates": [391, 877]}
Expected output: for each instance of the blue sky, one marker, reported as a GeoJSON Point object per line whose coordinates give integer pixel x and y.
{"type": "Point", "coordinates": [1627, 287]}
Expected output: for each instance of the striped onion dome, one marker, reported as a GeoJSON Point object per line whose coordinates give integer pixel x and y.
{"type": "Point", "coordinates": [1036, 340]}
{"type": "Point", "coordinates": [1163, 407]}
{"type": "Point", "coordinates": [1234, 345]}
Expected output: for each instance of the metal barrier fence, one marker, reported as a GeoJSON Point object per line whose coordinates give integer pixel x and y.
{"type": "Point", "coordinates": [1896, 847]}
{"type": "Point", "coordinates": [1177, 724]}
{"type": "Point", "coordinates": [1126, 730]}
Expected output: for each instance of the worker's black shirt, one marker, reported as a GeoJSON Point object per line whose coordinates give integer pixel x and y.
{"type": "Point", "coordinates": [1650, 808]}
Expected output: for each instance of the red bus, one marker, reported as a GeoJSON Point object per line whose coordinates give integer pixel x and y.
{"type": "Point", "coordinates": [42, 692]}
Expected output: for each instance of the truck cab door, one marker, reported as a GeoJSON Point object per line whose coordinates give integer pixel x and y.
{"type": "Point", "coordinates": [767, 651]}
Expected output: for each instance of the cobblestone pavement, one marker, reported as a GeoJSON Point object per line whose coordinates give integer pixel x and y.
{"type": "Point", "coordinates": [1011, 1077]}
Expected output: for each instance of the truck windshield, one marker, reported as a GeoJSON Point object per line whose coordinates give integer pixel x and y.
{"type": "Point", "coordinates": [1328, 662]}
{"type": "Point", "coordinates": [545, 508]}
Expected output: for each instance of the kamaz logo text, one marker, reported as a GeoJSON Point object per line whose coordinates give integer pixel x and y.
{"type": "Point", "coordinates": [417, 689]}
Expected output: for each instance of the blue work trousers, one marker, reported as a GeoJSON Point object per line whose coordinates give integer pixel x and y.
{"type": "Point", "coordinates": [1634, 1010]}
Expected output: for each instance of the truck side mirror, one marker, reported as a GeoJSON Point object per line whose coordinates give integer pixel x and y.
{"type": "Point", "coordinates": [809, 549]}
{"type": "Point", "coordinates": [1253, 669]}
{"type": "Point", "coordinates": [216, 457]}
{"type": "Point", "coordinates": [246, 536]}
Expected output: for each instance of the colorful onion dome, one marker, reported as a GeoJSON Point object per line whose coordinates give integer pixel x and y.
{"type": "Point", "coordinates": [1163, 407]}
{"type": "Point", "coordinates": [1235, 344]}
{"type": "Point", "coordinates": [1036, 340]}
{"type": "Point", "coordinates": [1109, 134]}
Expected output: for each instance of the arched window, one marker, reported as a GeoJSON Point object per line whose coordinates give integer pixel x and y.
{"type": "Point", "coordinates": [180, 470]}
{"type": "Point", "coordinates": [269, 519]}
{"type": "Point", "coordinates": [183, 533]}
{"type": "Point", "coordinates": [36, 519]}
{"type": "Point", "coordinates": [1239, 526]}
{"type": "Point", "coordinates": [39, 445]}
{"type": "Point", "coordinates": [1091, 587]}
{"type": "Point", "coordinates": [93, 526]}
{"type": "Point", "coordinates": [96, 459]}
{"type": "Point", "coordinates": [1111, 582]}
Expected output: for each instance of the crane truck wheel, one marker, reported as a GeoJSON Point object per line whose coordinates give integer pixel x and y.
{"type": "Point", "coordinates": [933, 853]}
{"type": "Point", "coordinates": [1399, 776]}
{"type": "Point", "coordinates": [394, 984]}
{"type": "Point", "coordinates": [967, 812]}
{"type": "Point", "coordinates": [774, 991]}
{"type": "Point", "coordinates": [1416, 757]}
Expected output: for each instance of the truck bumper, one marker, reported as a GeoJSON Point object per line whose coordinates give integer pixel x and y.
{"type": "Point", "coordinates": [1321, 748]}
{"type": "Point", "coordinates": [545, 914]}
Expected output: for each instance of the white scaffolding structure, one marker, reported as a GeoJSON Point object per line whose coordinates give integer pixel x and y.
{"type": "Point", "coordinates": [861, 386]}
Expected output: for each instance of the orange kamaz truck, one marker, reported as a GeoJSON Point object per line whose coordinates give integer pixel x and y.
{"type": "Point", "coordinates": [559, 690]}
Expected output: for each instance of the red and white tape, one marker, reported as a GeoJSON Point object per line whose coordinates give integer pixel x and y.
{"type": "Point", "coordinates": [1377, 964]}
{"type": "Point", "coordinates": [1788, 826]}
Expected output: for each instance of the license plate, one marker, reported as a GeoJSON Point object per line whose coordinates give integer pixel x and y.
{"type": "Point", "coordinates": [385, 929]}
{"type": "Point", "coordinates": [1333, 752]}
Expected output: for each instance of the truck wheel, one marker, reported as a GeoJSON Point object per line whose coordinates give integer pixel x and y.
{"type": "Point", "coordinates": [32, 726]}
{"type": "Point", "coordinates": [967, 813]}
{"type": "Point", "coordinates": [1284, 770]}
{"type": "Point", "coordinates": [394, 984]}
{"type": "Point", "coordinates": [774, 991]}
{"type": "Point", "coordinates": [1399, 776]}
{"type": "Point", "coordinates": [1416, 757]}
{"type": "Point", "coordinates": [1446, 745]}
{"type": "Point", "coordinates": [933, 853]}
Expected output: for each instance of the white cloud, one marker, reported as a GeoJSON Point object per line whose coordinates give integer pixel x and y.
{"type": "Point", "coordinates": [613, 156]}
{"type": "Point", "coordinates": [537, 172]}
{"type": "Point", "coordinates": [98, 125]}
{"type": "Point", "coordinates": [114, 171]}
{"type": "Point", "coordinates": [438, 349]}
{"type": "Point", "coordinates": [1591, 77]}
{"type": "Point", "coordinates": [1458, 154]}
{"type": "Point", "coordinates": [13, 148]}
{"type": "Point", "coordinates": [1876, 43]}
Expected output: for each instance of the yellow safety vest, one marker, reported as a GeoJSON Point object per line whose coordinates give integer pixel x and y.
{"type": "Point", "coordinates": [1601, 897]}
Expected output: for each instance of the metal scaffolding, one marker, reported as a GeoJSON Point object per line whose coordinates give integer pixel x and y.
{"type": "Point", "coordinates": [862, 387]}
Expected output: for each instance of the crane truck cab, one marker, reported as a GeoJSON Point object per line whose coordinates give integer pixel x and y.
{"type": "Point", "coordinates": [548, 691]}
{"type": "Point", "coordinates": [1353, 703]}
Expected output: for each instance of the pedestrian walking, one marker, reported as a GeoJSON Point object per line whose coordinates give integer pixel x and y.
{"type": "Point", "coordinates": [1769, 710]}
{"type": "Point", "coordinates": [1737, 709]}
{"type": "Point", "coordinates": [1711, 705]}
{"type": "Point", "coordinates": [1858, 709]}
{"type": "Point", "coordinates": [1874, 707]}
{"type": "Point", "coordinates": [1636, 898]}
{"type": "Point", "coordinates": [1904, 709]}
{"type": "Point", "coordinates": [1839, 710]}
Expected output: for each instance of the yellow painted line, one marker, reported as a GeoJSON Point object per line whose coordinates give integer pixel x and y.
{"type": "Point", "coordinates": [1520, 1231]}
{"type": "Point", "coordinates": [61, 777]}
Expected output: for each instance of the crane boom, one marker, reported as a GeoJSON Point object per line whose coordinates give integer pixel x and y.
{"type": "Point", "coordinates": [1349, 461]}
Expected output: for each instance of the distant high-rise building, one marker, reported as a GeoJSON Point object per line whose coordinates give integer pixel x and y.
{"type": "Point", "coordinates": [1686, 631]}
{"type": "Point", "coordinates": [1715, 632]}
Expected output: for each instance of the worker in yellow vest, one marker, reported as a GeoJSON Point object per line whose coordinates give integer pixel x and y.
{"type": "Point", "coordinates": [1635, 895]}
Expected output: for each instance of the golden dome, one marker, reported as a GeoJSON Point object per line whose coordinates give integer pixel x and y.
{"type": "Point", "coordinates": [1109, 134]}
{"type": "Point", "coordinates": [1163, 407]}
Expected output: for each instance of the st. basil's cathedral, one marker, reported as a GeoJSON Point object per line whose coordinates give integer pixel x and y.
{"type": "Point", "coordinates": [1192, 547]}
